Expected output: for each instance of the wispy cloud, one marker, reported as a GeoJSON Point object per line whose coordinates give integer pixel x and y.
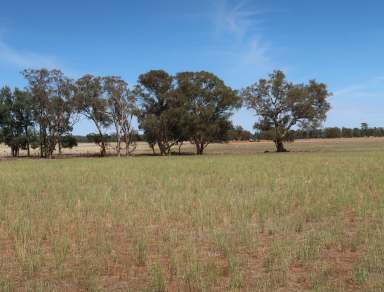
{"type": "Point", "coordinates": [239, 40]}
{"type": "Point", "coordinates": [373, 88]}
{"type": "Point", "coordinates": [237, 20]}
{"type": "Point", "coordinates": [25, 59]}
{"type": "Point", "coordinates": [358, 103]}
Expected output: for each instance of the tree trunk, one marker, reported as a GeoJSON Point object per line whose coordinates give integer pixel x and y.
{"type": "Point", "coordinates": [126, 144]}
{"type": "Point", "coordinates": [118, 148]}
{"type": "Point", "coordinates": [27, 139]}
{"type": "Point", "coordinates": [41, 143]}
{"type": "Point", "coordinates": [103, 151]}
{"type": "Point", "coordinates": [162, 149]}
{"type": "Point", "coordinates": [180, 145]}
{"type": "Point", "coordinates": [102, 145]}
{"type": "Point", "coordinates": [153, 148]}
{"type": "Point", "coordinates": [280, 146]}
{"type": "Point", "coordinates": [199, 148]}
{"type": "Point", "coordinates": [118, 138]}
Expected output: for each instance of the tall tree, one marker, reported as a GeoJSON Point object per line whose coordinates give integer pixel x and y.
{"type": "Point", "coordinates": [52, 95]}
{"type": "Point", "coordinates": [91, 102]}
{"type": "Point", "coordinates": [40, 87]}
{"type": "Point", "coordinates": [282, 105]}
{"type": "Point", "coordinates": [160, 111]}
{"type": "Point", "coordinates": [121, 105]}
{"type": "Point", "coordinates": [23, 113]}
{"type": "Point", "coordinates": [11, 132]}
{"type": "Point", "coordinates": [16, 119]}
{"type": "Point", "coordinates": [209, 104]}
{"type": "Point", "coordinates": [62, 105]}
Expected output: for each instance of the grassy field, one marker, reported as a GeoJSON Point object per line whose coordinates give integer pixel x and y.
{"type": "Point", "coordinates": [309, 220]}
{"type": "Point", "coordinates": [310, 145]}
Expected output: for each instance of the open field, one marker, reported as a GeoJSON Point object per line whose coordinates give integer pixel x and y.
{"type": "Point", "coordinates": [310, 145]}
{"type": "Point", "coordinates": [309, 220]}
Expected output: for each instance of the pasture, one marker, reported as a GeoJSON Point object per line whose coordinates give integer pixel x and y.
{"type": "Point", "coordinates": [308, 220]}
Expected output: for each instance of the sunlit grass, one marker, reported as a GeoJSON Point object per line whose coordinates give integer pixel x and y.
{"type": "Point", "coordinates": [264, 222]}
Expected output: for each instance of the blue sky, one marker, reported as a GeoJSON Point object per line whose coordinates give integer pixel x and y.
{"type": "Point", "coordinates": [338, 42]}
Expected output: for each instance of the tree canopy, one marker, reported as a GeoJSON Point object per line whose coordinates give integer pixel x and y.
{"type": "Point", "coordinates": [281, 105]}
{"type": "Point", "coordinates": [161, 110]}
{"type": "Point", "coordinates": [208, 105]}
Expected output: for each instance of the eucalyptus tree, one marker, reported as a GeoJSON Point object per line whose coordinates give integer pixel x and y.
{"type": "Point", "coordinates": [52, 95]}
{"type": "Point", "coordinates": [161, 110]}
{"type": "Point", "coordinates": [282, 105]}
{"type": "Point", "coordinates": [40, 86]}
{"type": "Point", "coordinates": [121, 106]}
{"type": "Point", "coordinates": [208, 105]}
{"type": "Point", "coordinates": [23, 114]}
{"type": "Point", "coordinates": [90, 101]}
{"type": "Point", "coordinates": [63, 110]}
{"type": "Point", "coordinates": [16, 120]}
{"type": "Point", "coordinates": [10, 130]}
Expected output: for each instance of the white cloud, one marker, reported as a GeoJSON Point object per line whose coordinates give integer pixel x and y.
{"type": "Point", "coordinates": [239, 43]}
{"type": "Point", "coordinates": [357, 103]}
{"type": "Point", "coordinates": [256, 53]}
{"type": "Point", "coordinates": [237, 20]}
{"type": "Point", "coordinates": [373, 88]}
{"type": "Point", "coordinates": [25, 59]}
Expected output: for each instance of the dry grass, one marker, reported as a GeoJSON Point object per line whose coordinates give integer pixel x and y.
{"type": "Point", "coordinates": [297, 221]}
{"type": "Point", "coordinates": [310, 145]}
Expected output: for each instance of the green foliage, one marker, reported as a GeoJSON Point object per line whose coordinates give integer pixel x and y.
{"type": "Point", "coordinates": [208, 103]}
{"type": "Point", "coordinates": [282, 105]}
{"type": "Point", "coordinates": [161, 112]}
{"type": "Point", "coordinates": [171, 110]}
{"type": "Point", "coordinates": [121, 109]}
{"type": "Point", "coordinates": [68, 141]}
{"type": "Point", "coordinates": [239, 134]}
{"type": "Point", "coordinates": [52, 99]}
{"type": "Point", "coordinates": [95, 138]}
{"type": "Point", "coordinates": [89, 100]}
{"type": "Point", "coordinates": [16, 121]}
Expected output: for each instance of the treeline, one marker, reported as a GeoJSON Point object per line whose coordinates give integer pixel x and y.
{"type": "Point", "coordinates": [327, 133]}
{"type": "Point", "coordinates": [190, 106]}
{"type": "Point", "coordinates": [234, 133]}
{"type": "Point", "coordinates": [170, 109]}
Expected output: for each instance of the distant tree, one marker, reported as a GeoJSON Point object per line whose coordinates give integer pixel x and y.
{"type": "Point", "coordinates": [91, 102]}
{"type": "Point", "coordinates": [68, 141]}
{"type": "Point", "coordinates": [364, 129]}
{"type": "Point", "coordinates": [282, 105]}
{"type": "Point", "coordinates": [239, 134]}
{"type": "Point", "coordinates": [102, 141]}
{"type": "Point", "coordinates": [161, 111]}
{"type": "Point", "coordinates": [377, 132]}
{"type": "Point", "coordinates": [346, 132]}
{"type": "Point", "coordinates": [333, 132]}
{"type": "Point", "coordinates": [356, 132]}
{"type": "Point", "coordinates": [208, 106]}
{"type": "Point", "coordinates": [122, 106]}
